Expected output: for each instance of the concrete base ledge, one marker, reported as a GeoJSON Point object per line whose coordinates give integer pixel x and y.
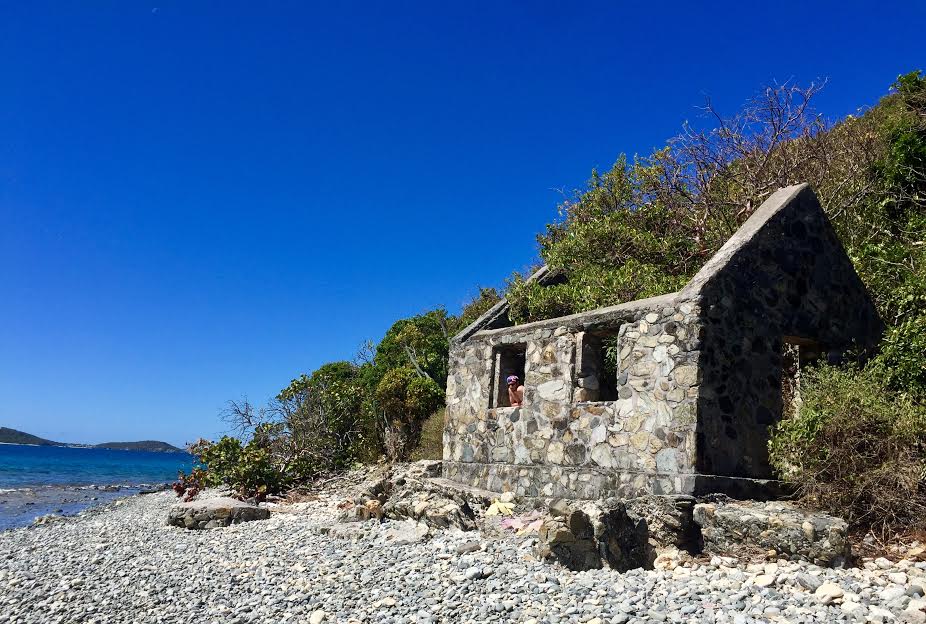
{"type": "Point", "coordinates": [581, 482]}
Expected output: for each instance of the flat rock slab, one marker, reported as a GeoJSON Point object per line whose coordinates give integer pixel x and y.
{"type": "Point", "coordinates": [729, 526]}
{"type": "Point", "coordinates": [214, 512]}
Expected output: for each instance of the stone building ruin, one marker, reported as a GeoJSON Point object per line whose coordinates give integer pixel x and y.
{"type": "Point", "coordinates": [701, 373]}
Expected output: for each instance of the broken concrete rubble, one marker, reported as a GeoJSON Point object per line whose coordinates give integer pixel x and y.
{"type": "Point", "coordinates": [730, 526]}
{"type": "Point", "coordinates": [415, 492]}
{"type": "Point", "coordinates": [621, 534]}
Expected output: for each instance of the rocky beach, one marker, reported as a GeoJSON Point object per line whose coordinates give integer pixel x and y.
{"type": "Point", "coordinates": [121, 562]}
{"type": "Point", "coordinates": [20, 506]}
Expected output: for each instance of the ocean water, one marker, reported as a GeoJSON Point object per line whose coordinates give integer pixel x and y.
{"type": "Point", "coordinates": [38, 480]}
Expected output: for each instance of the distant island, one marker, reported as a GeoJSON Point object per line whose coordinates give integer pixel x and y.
{"type": "Point", "coordinates": [143, 445]}
{"type": "Point", "coordinates": [12, 436]}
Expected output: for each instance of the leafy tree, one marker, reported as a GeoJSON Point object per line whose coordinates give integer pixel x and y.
{"type": "Point", "coordinates": [249, 469]}
{"type": "Point", "coordinates": [421, 342]}
{"type": "Point", "coordinates": [856, 447]}
{"type": "Point", "coordinates": [407, 399]}
{"type": "Point", "coordinates": [480, 304]}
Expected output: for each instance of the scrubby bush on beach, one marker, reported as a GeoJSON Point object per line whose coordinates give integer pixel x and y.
{"type": "Point", "coordinates": [406, 400]}
{"type": "Point", "coordinates": [856, 447]}
{"type": "Point", "coordinates": [248, 469]}
{"type": "Point", "coordinates": [189, 485]}
{"type": "Point", "coordinates": [431, 444]}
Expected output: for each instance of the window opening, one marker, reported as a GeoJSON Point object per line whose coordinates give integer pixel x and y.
{"type": "Point", "coordinates": [796, 355]}
{"type": "Point", "coordinates": [596, 372]}
{"type": "Point", "coordinates": [509, 360]}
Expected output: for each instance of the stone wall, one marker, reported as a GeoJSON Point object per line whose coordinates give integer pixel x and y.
{"type": "Point", "coordinates": [560, 445]}
{"type": "Point", "coordinates": [783, 277]}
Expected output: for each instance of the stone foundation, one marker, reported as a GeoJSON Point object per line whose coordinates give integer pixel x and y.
{"type": "Point", "coordinates": [545, 481]}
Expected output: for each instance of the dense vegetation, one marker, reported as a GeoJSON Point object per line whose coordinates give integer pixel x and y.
{"type": "Point", "coordinates": [644, 228]}
{"type": "Point", "coordinates": [647, 225]}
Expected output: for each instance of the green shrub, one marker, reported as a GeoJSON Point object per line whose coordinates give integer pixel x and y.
{"type": "Point", "coordinates": [856, 448]}
{"type": "Point", "coordinates": [248, 469]}
{"type": "Point", "coordinates": [431, 444]}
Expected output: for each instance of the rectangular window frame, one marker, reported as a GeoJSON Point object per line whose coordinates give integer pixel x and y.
{"type": "Point", "coordinates": [590, 364]}
{"type": "Point", "coordinates": [508, 359]}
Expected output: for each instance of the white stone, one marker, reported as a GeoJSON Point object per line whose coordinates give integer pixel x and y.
{"type": "Point", "coordinates": [602, 456]}
{"type": "Point", "coordinates": [850, 606]}
{"type": "Point", "coordinates": [878, 614]}
{"type": "Point", "coordinates": [686, 375]}
{"type": "Point", "coordinates": [667, 460]}
{"type": "Point", "coordinates": [891, 592]}
{"type": "Point", "coordinates": [404, 532]}
{"type": "Point", "coordinates": [555, 453]}
{"type": "Point", "coordinates": [764, 580]}
{"type": "Point", "coordinates": [652, 317]}
{"type": "Point", "coordinates": [554, 390]}
{"type": "Point", "coordinates": [660, 353]}
{"type": "Point", "coordinates": [317, 617]}
{"type": "Point", "coordinates": [828, 592]}
{"type": "Point", "coordinates": [897, 577]}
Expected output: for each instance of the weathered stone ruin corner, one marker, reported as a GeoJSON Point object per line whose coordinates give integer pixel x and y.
{"type": "Point", "coordinates": [701, 374]}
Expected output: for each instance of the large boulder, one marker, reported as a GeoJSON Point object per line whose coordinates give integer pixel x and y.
{"type": "Point", "coordinates": [730, 527]}
{"type": "Point", "coordinates": [214, 512]}
{"type": "Point", "coordinates": [570, 540]}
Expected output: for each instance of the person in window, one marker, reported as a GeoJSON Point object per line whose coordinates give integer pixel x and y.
{"type": "Point", "coordinates": [515, 391]}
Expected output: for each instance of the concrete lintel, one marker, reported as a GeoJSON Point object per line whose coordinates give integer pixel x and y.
{"type": "Point", "coordinates": [594, 319]}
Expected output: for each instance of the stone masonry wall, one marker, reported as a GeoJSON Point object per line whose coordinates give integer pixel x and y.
{"type": "Point", "coordinates": [644, 441]}
{"type": "Point", "coordinates": [783, 277]}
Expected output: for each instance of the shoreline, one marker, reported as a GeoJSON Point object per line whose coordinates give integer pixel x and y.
{"type": "Point", "coordinates": [25, 505]}
{"type": "Point", "coordinates": [98, 447]}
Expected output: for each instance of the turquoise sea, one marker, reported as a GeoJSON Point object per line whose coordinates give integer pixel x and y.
{"type": "Point", "coordinates": [37, 480]}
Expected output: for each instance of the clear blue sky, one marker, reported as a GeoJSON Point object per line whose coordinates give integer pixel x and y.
{"type": "Point", "coordinates": [199, 201]}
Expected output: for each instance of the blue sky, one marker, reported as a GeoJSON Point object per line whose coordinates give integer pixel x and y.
{"type": "Point", "coordinates": [199, 201]}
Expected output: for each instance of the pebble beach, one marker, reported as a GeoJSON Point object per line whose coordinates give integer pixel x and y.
{"type": "Point", "coordinates": [122, 563]}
